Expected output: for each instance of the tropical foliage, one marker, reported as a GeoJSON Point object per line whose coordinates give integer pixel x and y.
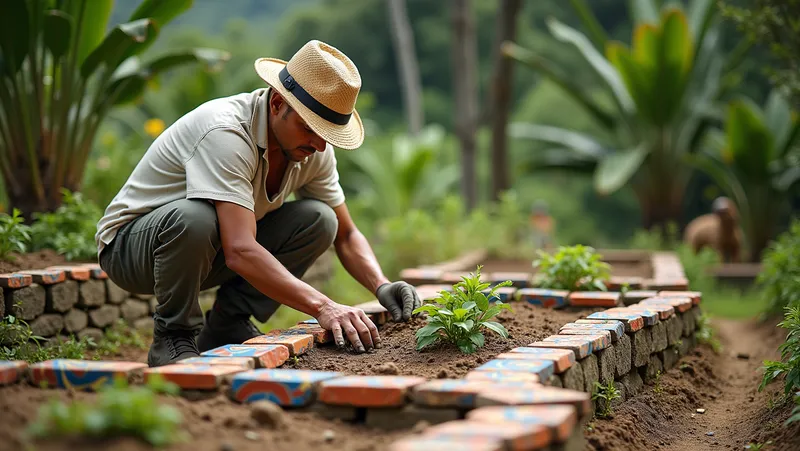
{"type": "Point", "coordinates": [756, 161]}
{"type": "Point", "coordinates": [61, 74]}
{"type": "Point", "coordinates": [572, 268]}
{"type": "Point", "coordinates": [662, 90]}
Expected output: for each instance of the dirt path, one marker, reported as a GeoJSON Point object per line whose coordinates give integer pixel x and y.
{"type": "Point", "coordinates": [665, 416]}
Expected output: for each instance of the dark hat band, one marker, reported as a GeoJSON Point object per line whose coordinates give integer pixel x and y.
{"type": "Point", "coordinates": [309, 101]}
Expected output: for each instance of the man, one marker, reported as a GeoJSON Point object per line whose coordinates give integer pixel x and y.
{"type": "Point", "coordinates": [206, 206]}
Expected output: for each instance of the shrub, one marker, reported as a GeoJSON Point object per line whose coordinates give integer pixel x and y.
{"type": "Point", "coordinates": [572, 268]}
{"type": "Point", "coordinates": [460, 317]}
{"type": "Point", "coordinates": [788, 368]}
{"type": "Point", "coordinates": [70, 229]}
{"type": "Point", "coordinates": [780, 273]}
{"type": "Point", "coordinates": [14, 235]}
{"type": "Point", "coordinates": [120, 410]}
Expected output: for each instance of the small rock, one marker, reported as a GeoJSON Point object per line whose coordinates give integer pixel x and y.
{"type": "Point", "coordinates": [267, 413]}
{"type": "Point", "coordinates": [206, 417]}
{"type": "Point", "coordinates": [431, 360]}
{"type": "Point", "coordinates": [743, 355]}
{"type": "Point", "coordinates": [328, 435]}
{"type": "Point", "coordinates": [710, 433]}
{"type": "Point", "coordinates": [420, 427]}
{"type": "Point", "coordinates": [387, 368]}
{"type": "Point", "coordinates": [251, 435]}
{"type": "Point", "coordinates": [442, 374]}
{"type": "Point", "coordinates": [693, 415]}
{"type": "Point", "coordinates": [700, 410]}
{"type": "Point", "coordinates": [226, 447]}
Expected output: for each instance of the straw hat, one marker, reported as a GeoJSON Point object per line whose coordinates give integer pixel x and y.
{"type": "Point", "coordinates": [321, 84]}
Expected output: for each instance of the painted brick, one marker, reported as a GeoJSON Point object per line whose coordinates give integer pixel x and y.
{"type": "Point", "coordinates": [193, 377]}
{"type": "Point", "coordinates": [641, 348]}
{"type": "Point", "coordinates": [264, 356]}
{"type": "Point", "coordinates": [632, 321]}
{"type": "Point", "coordinates": [680, 304]}
{"type": "Point", "coordinates": [320, 334]}
{"type": "Point", "coordinates": [543, 298]}
{"type": "Point", "coordinates": [515, 436]}
{"type": "Point", "coordinates": [572, 378]}
{"type": "Point", "coordinates": [11, 371]}
{"type": "Point", "coordinates": [541, 396]}
{"type": "Point", "coordinates": [81, 273]}
{"type": "Point", "coordinates": [695, 296]}
{"type": "Point", "coordinates": [368, 391]}
{"type": "Point", "coordinates": [406, 417]}
{"type": "Point", "coordinates": [606, 364]}
{"type": "Point", "coordinates": [503, 294]}
{"type": "Point", "coordinates": [580, 349]}
{"type": "Point", "coordinates": [617, 282]}
{"type": "Point", "coordinates": [561, 358]}
{"type": "Point", "coordinates": [624, 354]}
{"type": "Point", "coordinates": [96, 271]}
{"type": "Point", "coordinates": [417, 276]}
{"type": "Point", "coordinates": [46, 276]}
{"type": "Point", "coordinates": [296, 344]}
{"type": "Point", "coordinates": [375, 311]}
{"type": "Point", "coordinates": [582, 331]}
{"type": "Point", "coordinates": [668, 284]}
{"type": "Point", "coordinates": [560, 420]}
{"type": "Point", "coordinates": [649, 317]}
{"type": "Point", "coordinates": [632, 297]}
{"type": "Point", "coordinates": [502, 376]}
{"type": "Point", "coordinates": [287, 388]}
{"type": "Point", "coordinates": [15, 280]}
{"type": "Point", "coordinates": [664, 311]}
{"type": "Point", "coordinates": [81, 374]}
{"type": "Point", "coordinates": [541, 368]}
{"type": "Point", "coordinates": [615, 328]}
{"type": "Point", "coordinates": [594, 298]}
{"type": "Point", "coordinates": [309, 321]}
{"type": "Point", "coordinates": [518, 279]}
{"type": "Point", "coordinates": [414, 443]}
{"type": "Point", "coordinates": [459, 393]}
{"type": "Point", "coordinates": [245, 363]}
{"type": "Point", "coordinates": [599, 340]}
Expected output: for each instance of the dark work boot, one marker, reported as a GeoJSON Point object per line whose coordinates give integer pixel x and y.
{"type": "Point", "coordinates": [169, 346]}
{"type": "Point", "coordinates": [221, 329]}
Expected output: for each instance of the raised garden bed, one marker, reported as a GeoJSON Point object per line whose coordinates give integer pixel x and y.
{"type": "Point", "coordinates": [388, 392]}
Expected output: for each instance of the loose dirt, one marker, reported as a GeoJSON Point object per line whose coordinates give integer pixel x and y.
{"type": "Point", "coordinates": [525, 325]}
{"type": "Point", "coordinates": [665, 417]}
{"type": "Point", "coordinates": [35, 260]}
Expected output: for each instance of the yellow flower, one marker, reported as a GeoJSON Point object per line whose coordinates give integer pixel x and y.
{"type": "Point", "coordinates": [154, 127]}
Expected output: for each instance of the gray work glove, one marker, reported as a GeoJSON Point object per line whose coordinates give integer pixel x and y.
{"type": "Point", "coordinates": [399, 298]}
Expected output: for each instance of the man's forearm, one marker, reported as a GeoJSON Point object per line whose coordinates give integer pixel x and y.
{"type": "Point", "coordinates": [359, 260]}
{"type": "Point", "coordinates": [262, 270]}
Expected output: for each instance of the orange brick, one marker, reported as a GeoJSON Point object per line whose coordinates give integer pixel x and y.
{"type": "Point", "coordinates": [664, 311]}
{"type": "Point", "coordinates": [695, 296]}
{"type": "Point", "coordinates": [264, 356]}
{"type": "Point", "coordinates": [600, 340]}
{"type": "Point", "coordinates": [561, 358]}
{"type": "Point", "coordinates": [368, 391]}
{"type": "Point", "coordinates": [320, 334]}
{"type": "Point", "coordinates": [515, 436]}
{"type": "Point", "coordinates": [617, 282]}
{"type": "Point", "coordinates": [458, 393]}
{"type": "Point", "coordinates": [415, 443]}
{"type": "Point", "coordinates": [503, 376]}
{"type": "Point", "coordinates": [15, 280]}
{"type": "Point", "coordinates": [95, 271]}
{"type": "Point", "coordinates": [46, 276]}
{"type": "Point", "coordinates": [73, 272]}
{"type": "Point", "coordinates": [296, 344]}
{"type": "Point", "coordinates": [81, 374]}
{"type": "Point", "coordinates": [616, 328]}
{"type": "Point", "coordinates": [594, 298]}
{"type": "Point", "coordinates": [680, 304]}
{"type": "Point", "coordinates": [543, 369]}
{"type": "Point", "coordinates": [542, 396]}
{"type": "Point", "coordinates": [579, 349]}
{"type": "Point", "coordinates": [560, 419]}
{"type": "Point", "coordinates": [632, 321]}
{"type": "Point", "coordinates": [245, 363]}
{"type": "Point", "coordinates": [11, 371]}
{"type": "Point", "coordinates": [193, 377]}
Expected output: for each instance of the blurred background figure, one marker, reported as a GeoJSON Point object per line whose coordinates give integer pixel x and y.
{"type": "Point", "coordinates": [542, 225]}
{"type": "Point", "coordinates": [718, 230]}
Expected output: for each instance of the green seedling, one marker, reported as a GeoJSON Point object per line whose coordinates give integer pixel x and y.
{"type": "Point", "coordinates": [757, 446]}
{"type": "Point", "coordinates": [460, 316]}
{"type": "Point", "coordinates": [605, 395]}
{"type": "Point", "coordinates": [788, 368]}
{"type": "Point", "coordinates": [705, 334]}
{"type": "Point", "coordinates": [574, 268]}
{"type": "Point", "coordinates": [658, 389]}
{"type": "Point", "coordinates": [119, 411]}
{"type": "Point", "coordinates": [17, 342]}
{"type": "Point", "coordinates": [14, 235]}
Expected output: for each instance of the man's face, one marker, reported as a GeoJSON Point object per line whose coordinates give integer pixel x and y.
{"type": "Point", "coordinates": [296, 140]}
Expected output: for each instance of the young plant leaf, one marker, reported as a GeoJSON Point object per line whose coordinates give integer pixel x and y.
{"type": "Point", "coordinates": [496, 327]}
{"type": "Point", "coordinates": [429, 329]}
{"type": "Point", "coordinates": [481, 301]}
{"type": "Point", "coordinates": [426, 341]}
{"type": "Point", "coordinates": [478, 339]}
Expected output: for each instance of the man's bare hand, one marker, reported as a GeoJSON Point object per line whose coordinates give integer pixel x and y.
{"type": "Point", "coordinates": [352, 322]}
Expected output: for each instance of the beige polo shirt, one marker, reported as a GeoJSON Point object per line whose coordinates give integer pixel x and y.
{"type": "Point", "coordinates": [217, 152]}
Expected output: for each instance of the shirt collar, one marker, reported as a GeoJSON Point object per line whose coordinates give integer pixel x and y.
{"type": "Point", "coordinates": [259, 124]}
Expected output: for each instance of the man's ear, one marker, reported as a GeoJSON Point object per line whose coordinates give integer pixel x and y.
{"type": "Point", "coordinates": [276, 101]}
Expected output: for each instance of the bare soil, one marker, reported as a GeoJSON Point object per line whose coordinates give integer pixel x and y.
{"type": "Point", "coordinates": [664, 417]}
{"type": "Point", "coordinates": [35, 260]}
